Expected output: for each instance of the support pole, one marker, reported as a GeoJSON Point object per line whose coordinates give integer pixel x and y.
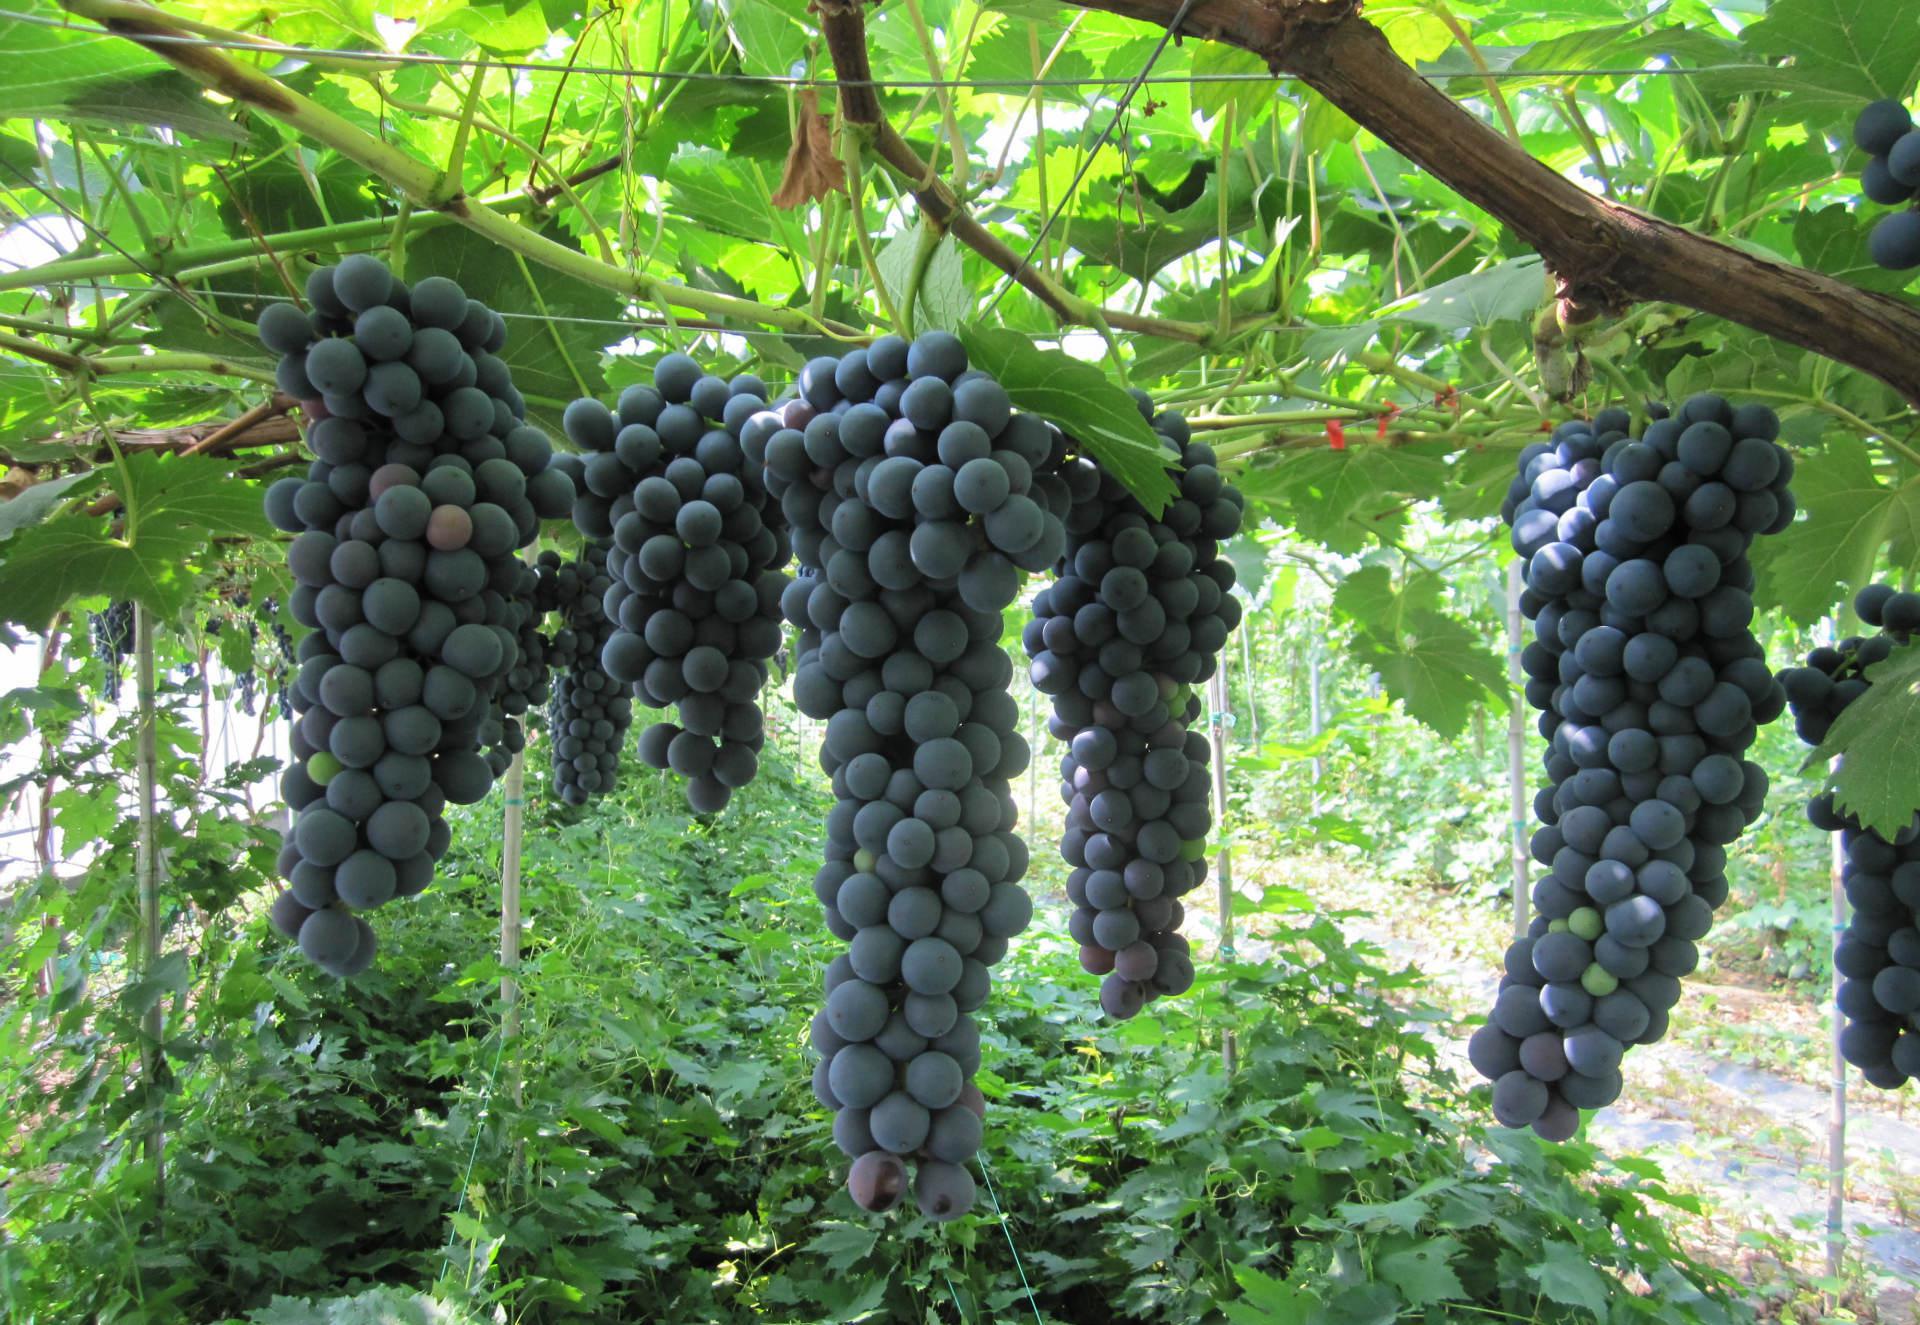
{"type": "Point", "coordinates": [1247, 675]}
{"type": "Point", "coordinates": [1517, 752]}
{"type": "Point", "coordinates": [1223, 857]}
{"type": "Point", "coordinates": [1315, 718]}
{"type": "Point", "coordinates": [512, 829]}
{"type": "Point", "coordinates": [147, 881]}
{"type": "Point", "coordinates": [1837, 1103]}
{"type": "Point", "coordinates": [1837, 1111]}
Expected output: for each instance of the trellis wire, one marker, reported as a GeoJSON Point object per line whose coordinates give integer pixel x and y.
{"type": "Point", "coordinates": [799, 81]}
{"type": "Point", "coordinates": [1086, 161]}
{"type": "Point", "coordinates": [986, 1172]}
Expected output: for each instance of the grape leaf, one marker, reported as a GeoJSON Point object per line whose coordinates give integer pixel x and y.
{"type": "Point", "coordinates": [49, 66]}
{"type": "Point", "coordinates": [165, 99]}
{"type": "Point", "coordinates": [944, 300]}
{"type": "Point", "coordinates": [1343, 498]}
{"type": "Point", "coordinates": [1877, 740]}
{"type": "Point", "coordinates": [1566, 1275]}
{"type": "Point", "coordinates": [549, 362]}
{"type": "Point", "coordinates": [179, 505]}
{"type": "Point", "coordinates": [1849, 515]}
{"type": "Point", "coordinates": [1077, 398]}
{"type": "Point", "coordinates": [844, 1244]}
{"type": "Point", "coordinates": [1507, 292]}
{"type": "Point", "coordinates": [1422, 1272]}
{"type": "Point", "coordinates": [37, 502]}
{"type": "Point", "coordinates": [1437, 669]}
{"type": "Point", "coordinates": [1843, 52]}
{"type": "Point", "coordinates": [1268, 1301]}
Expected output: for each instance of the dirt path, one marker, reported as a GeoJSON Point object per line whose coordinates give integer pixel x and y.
{"type": "Point", "coordinates": [1749, 1143]}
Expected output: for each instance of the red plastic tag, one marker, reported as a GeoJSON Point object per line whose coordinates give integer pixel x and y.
{"type": "Point", "coordinates": [1336, 434]}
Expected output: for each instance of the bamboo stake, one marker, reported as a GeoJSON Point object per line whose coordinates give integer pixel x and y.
{"type": "Point", "coordinates": [1837, 1111]}
{"type": "Point", "coordinates": [513, 828]}
{"type": "Point", "coordinates": [147, 879]}
{"type": "Point", "coordinates": [1315, 717]}
{"type": "Point", "coordinates": [1246, 682]}
{"type": "Point", "coordinates": [1837, 1103]}
{"type": "Point", "coordinates": [1517, 752]}
{"type": "Point", "coordinates": [1223, 857]}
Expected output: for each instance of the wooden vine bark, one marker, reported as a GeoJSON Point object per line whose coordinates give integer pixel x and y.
{"type": "Point", "coordinates": [1604, 256]}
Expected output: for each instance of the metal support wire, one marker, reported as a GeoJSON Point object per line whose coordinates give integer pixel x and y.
{"type": "Point", "coordinates": [1012, 86]}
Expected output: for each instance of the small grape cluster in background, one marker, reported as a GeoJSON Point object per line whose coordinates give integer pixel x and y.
{"type": "Point", "coordinates": [1878, 955]}
{"type": "Point", "coordinates": [110, 635]}
{"type": "Point", "coordinates": [1135, 620]}
{"type": "Point", "coordinates": [1651, 687]}
{"type": "Point", "coordinates": [589, 713]}
{"type": "Point", "coordinates": [1886, 132]}
{"type": "Point", "coordinates": [694, 559]}
{"type": "Point", "coordinates": [407, 526]}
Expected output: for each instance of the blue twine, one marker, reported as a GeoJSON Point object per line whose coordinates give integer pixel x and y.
{"type": "Point", "coordinates": [987, 1173]}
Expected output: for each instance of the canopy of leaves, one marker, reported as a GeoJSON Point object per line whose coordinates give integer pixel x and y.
{"type": "Point", "coordinates": [1358, 343]}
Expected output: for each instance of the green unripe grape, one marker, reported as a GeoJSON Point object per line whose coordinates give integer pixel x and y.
{"type": "Point", "coordinates": [1586, 922]}
{"type": "Point", "coordinates": [864, 861]}
{"type": "Point", "coordinates": [1597, 982]}
{"type": "Point", "coordinates": [321, 767]}
{"type": "Point", "coordinates": [1193, 849]}
{"type": "Point", "coordinates": [1557, 927]}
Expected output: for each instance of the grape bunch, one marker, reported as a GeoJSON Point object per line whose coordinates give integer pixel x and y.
{"type": "Point", "coordinates": [588, 716]}
{"type": "Point", "coordinates": [1886, 133]}
{"type": "Point", "coordinates": [1137, 617]}
{"type": "Point", "coordinates": [1650, 687]}
{"type": "Point", "coordinates": [916, 497]}
{"type": "Point", "coordinates": [406, 526]}
{"type": "Point", "coordinates": [695, 560]}
{"type": "Point", "coordinates": [110, 634]}
{"type": "Point", "coordinates": [1878, 955]}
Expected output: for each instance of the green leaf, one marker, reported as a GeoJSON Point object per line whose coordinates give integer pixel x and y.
{"type": "Point", "coordinates": [168, 976]}
{"type": "Point", "coordinates": [1568, 1277]}
{"type": "Point", "coordinates": [549, 360]}
{"type": "Point", "coordinates": [1077, 398]}
{"type": "Point", "coordinates": [769, 36]}
{"type": "Point", "coordinates": [1877, 740]}
{"type": "Point", "coordinates": [1834, 240]}
{"type": "Point", "coordinates": [47, 67]}
{"type": "Point", "coordinates": [1422, 1272]}
{"type": "Point", "coordinates": [1217, 58]}
{"type": "Point", "coordinates": [1344, 499]}
{"type": "Point", "coordinates": [1842, 52]}
{"type": "Point", "coordinates": [944, 301]}
{"type": "Point", "coordinates": [1507, 292]}
{"type": "Point", "coordinates": [844, 1245]}
{"type": "Point", "coordinates": [1268, 1301]}
{"type": "Point", "coordinates": [1850, 514]}
{"type": "Point", "coordinates": [180, 504]}
{"type": "Point", "coordinates": [1324, 125]}
{"type": "Point", "coordinates": [168, 100]}
{"type": "Point", "coordinates": [1437, 669]}
{"type": "Point", "coordinates": [38, 502]}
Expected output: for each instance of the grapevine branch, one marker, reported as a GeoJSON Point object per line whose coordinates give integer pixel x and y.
{"type": "Point", "coordinates": [845, 30]}
{"type": "Point", "coordinates": [1604, 256]}
{"type": "Point", "coordinates": [415, 180]}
